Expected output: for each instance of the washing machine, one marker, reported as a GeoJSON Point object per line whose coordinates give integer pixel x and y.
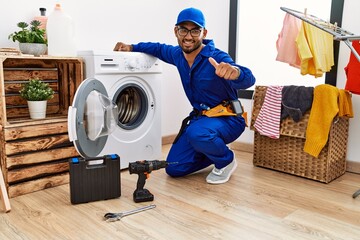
{"type": "Point", "coordinates": [116, 109]}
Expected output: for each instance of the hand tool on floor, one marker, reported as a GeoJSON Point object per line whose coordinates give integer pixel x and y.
{"type": "Point", "coordinates": [112, 217]}
{"type": "Point", "coordinates": [143, 169]}
{"type": "Point", "coordinates": [357, 193]}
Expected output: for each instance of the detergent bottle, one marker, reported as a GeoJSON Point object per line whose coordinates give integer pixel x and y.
{"type": "Point", "coordinates": [42, 18]}
{"type": "Point", "coordinates": [60, 33]}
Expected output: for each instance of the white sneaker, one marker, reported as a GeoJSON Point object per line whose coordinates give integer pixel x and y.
{"type": "Point", "coordinates": [218, 176]}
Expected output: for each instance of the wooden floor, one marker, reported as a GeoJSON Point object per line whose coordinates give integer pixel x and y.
{"type": "Point", "coordinates": [255, 204]}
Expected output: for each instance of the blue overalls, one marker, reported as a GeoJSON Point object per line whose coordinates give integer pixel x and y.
{"type": "Point", "coordinates": [203, 141]}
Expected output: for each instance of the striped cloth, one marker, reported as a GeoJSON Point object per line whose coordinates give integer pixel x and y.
{"type": "Point", "coordinates": [267, 122]}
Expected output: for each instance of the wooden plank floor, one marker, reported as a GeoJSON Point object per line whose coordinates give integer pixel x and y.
{"type": "Point", "coordinates": [255, 204]}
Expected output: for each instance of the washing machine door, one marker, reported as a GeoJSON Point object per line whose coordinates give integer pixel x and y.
{"type": "Point", "coordinates": [91, 118]}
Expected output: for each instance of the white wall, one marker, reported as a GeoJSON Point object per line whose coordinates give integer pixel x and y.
{"type": "Point", "coordinates": [260, 22]}
{"type": "Point", "coordinates": [99, 25]}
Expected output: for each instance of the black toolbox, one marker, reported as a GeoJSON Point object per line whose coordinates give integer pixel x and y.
{"type": "Point", "coordinates": [93, 179]}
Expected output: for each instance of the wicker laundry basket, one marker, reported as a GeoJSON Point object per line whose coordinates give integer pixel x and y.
{"type": "Point", "coordinates": [286, 153]}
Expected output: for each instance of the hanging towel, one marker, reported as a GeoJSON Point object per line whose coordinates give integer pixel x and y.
{"type": "Point", "coordinates": [285, 45]}
{"type": "Point", "coordinates": [345, 104]}
{"type": "Point", "coordinates": [315, 48]}
{"type": "Point", "coordinates": [267, 122]}
{"type": "Point", "coordinates": [352, 71]}
{"type": "Point", "coordinates": [296, 100]}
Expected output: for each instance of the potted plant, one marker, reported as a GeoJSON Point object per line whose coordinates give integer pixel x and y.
{"type": "Point", "coordinates": [37, 92]}
{"type": "Point", "coordinates": [31, 38]}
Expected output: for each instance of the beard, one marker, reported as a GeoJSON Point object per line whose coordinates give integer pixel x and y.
{"type": "Point", "coordinates": [186, 49]}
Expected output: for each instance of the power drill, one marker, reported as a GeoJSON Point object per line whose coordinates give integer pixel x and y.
{"type": "Point", "coordinates": [143, 169]}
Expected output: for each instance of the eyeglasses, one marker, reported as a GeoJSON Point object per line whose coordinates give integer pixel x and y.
{"type": "Point", "coordinates": [193, 32]}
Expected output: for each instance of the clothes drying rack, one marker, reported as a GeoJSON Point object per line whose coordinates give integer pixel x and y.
{"type": "Point", "coordinates": [338, 33]}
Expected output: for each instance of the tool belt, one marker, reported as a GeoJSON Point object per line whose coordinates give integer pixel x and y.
{"type": "Point", "coordinates": [226, 108]}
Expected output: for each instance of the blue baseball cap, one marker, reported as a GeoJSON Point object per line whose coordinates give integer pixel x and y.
{"type": "Point", "coordinates": [191, 15]}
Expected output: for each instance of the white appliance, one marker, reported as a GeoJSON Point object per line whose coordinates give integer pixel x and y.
{"type": "Point", "coordinates": [116, 109]}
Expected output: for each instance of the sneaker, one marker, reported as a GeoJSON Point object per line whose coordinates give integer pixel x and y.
{"type": "Point", "coordinates": [218, 176]}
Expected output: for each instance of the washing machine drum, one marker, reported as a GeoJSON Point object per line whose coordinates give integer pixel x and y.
{"type": "Point", "coordinates": [91, 118]}
{"type": "Point", "coordinates": [132, 104]}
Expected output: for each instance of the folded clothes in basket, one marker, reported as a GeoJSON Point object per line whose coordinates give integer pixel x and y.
{"type": "Point", "coordinates": [268, 121]}
{"type": "Point", "coordinates": [296, 100]}
{"type": "Point", "coordinates": [279, 103]}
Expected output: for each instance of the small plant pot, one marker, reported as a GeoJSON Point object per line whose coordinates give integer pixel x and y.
{"type": "Point", "coordinates": [35, 49]}
{"type": "Point", "coordinates": [37, 109]}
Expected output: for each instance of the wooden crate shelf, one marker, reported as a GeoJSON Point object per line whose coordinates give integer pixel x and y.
{"type": "Point", "coordinates": [35, 153]}
{"type": "Point", "coordinates": [63, 74]}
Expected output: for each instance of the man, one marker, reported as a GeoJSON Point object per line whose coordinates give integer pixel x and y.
{"type": "Point", "coordinates": [210, 79]}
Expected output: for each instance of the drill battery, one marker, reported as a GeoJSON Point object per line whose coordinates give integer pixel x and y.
{"type": "Point", "coordinates": [93, 179]}
{"type": "Point", "coordinates": [143, 170]}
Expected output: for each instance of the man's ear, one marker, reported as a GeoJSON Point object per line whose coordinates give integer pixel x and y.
{"type": "Point", "coordinates": [204, 32]}
{"type": "Point", "coordinates": [175, 31]}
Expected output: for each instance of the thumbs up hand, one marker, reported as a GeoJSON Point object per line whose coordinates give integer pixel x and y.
{"type": "Point", "coordinates": [225, 70]}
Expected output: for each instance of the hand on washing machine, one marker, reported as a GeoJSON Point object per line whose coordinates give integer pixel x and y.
{"type": "Point", "coordinates": [123, 47]}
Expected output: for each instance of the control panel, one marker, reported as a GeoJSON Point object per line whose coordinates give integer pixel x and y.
{"type": "Point", "coordinates": [126, 62]}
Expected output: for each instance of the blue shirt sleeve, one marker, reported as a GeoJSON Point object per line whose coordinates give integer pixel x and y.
{"type": "Point", "coordinates": [167, 52]}
{"type": "Point", "coordinates": [200, 83]}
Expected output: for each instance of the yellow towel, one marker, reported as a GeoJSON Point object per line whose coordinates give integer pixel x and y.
{"type": "Point", "coordinates": [315, 48]}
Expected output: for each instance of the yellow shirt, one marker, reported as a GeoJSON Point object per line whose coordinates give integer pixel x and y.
{"type": "Point", "coordinates": [315, 48]}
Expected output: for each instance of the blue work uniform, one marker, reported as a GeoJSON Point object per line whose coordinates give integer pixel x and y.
{"type": "Point", "coordinates": [203, 141]}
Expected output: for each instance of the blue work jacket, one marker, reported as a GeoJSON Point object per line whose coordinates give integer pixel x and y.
{"type": "Point", "coordinates": [200, 83]}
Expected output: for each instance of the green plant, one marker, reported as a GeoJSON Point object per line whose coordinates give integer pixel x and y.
{"type": "Point", "coordinates": [36, 90]}
{"type": "Point", "coordinates": [29, 34]}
